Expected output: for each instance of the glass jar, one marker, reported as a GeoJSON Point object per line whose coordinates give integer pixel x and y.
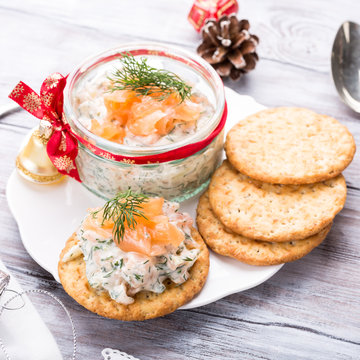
{"type": "Point", "coordinates": [175, 179]}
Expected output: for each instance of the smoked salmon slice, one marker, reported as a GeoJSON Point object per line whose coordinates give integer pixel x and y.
{"type": "Point", "coordinates": [151, 235]}
{"type": "Point", "coordinates": [144, 115]}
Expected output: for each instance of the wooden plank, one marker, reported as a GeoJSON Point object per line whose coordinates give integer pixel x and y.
{"type": "Point", "coordinates": [290, 32]}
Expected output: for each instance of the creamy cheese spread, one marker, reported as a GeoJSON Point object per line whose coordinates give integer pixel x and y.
{"type": "Point", "coordinates": [123, 274]}
{"type": "Point", "coordinates": [90, 103]}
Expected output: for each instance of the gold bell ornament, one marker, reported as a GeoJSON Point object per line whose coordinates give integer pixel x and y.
{"type": "Point", "coordinates": [33, 162]}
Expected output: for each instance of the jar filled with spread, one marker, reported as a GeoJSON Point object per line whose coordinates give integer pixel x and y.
{"type": "Point", "coordinates": [148, 117]}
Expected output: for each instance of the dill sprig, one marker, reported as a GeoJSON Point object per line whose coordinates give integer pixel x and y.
{"type": "Point", "coordinates": [123, 209]}
{"type": "Point", "coordinates": [138, 76]}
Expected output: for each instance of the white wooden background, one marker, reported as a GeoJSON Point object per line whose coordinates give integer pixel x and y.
{"type": "Point", "coordinates": [311, 308]}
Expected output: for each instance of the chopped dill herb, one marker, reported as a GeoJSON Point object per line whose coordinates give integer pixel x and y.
{"type": "Point", "coordinates": [118, 264]}
{"type": "Point", "coordinates": [108, 274]}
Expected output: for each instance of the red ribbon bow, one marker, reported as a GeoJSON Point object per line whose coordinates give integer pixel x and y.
{"type": "Point", "coordinates": [62, 147]}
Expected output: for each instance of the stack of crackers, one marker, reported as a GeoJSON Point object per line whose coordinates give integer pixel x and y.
{"type": "Point", "coordinates": [275, 197]}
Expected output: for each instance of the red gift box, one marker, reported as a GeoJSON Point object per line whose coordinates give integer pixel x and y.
{"type": "Point", "coordinates": [210, 9]}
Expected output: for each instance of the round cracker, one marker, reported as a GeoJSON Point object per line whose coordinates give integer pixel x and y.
{"type": "Point", "coordinates": [147, 305]}
{"type": "Point", "coordinates": [276, 213]}
{"type": "Point", "coordinates": [290, 145]}
{"type": "Point", "coordinates": [249, 251]}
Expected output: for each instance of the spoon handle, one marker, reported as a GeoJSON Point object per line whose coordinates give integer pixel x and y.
{"type": "Point", "coordinates": [8, 108]}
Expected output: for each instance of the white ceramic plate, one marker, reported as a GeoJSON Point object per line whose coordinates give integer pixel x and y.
{"type": "Point", "coordinates": [48, 214]}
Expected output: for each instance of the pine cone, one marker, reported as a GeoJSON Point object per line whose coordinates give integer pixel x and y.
{"type": "Point", "coordinates": [228, 46]}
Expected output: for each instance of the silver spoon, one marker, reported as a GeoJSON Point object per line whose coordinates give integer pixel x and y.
{"type": "Point", "coordinates": [345, 64]}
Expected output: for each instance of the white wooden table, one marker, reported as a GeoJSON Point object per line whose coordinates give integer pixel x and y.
{"type": "Point", "coordinates": [311, 308]}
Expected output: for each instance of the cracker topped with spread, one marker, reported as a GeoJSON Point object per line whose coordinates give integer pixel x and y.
{"type": "Point", "coordinates": [134, 259]}
{"type": "Point", "coordinates": [289, 145]}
